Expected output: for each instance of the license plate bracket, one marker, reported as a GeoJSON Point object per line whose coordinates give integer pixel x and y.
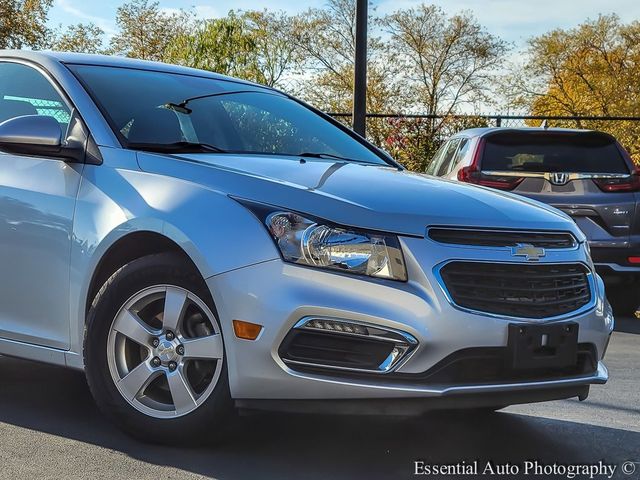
{"type": "Point", "coordinates": [552, 345]}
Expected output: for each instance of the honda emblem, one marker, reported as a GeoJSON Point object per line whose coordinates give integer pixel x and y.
{"type": "Point", "coordinates": [558, 178]}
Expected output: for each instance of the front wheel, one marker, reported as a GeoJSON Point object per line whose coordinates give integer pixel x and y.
{"type": "Point", "coordinates": [154, 354]}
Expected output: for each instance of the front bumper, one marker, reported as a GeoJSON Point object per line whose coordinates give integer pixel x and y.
{"type": "Point", "coordinates": [416, 406]}
{"type": "Point", "coordinates": [278, 295]}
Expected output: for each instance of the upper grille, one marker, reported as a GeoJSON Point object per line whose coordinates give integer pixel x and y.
{"type": "Point", "coordinates": [518, 290]}
{"type": "Point", "coordinates": [501, 238]}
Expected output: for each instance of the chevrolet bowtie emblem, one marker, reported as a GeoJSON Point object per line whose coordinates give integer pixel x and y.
{"type": "Point", "coordinates": [528, 251]}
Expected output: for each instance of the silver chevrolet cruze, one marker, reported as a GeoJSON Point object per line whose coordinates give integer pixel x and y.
{"type": "Point", "coordinates": [197, 243]}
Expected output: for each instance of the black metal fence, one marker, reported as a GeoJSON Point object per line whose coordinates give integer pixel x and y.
{"type": "Point", "coordinates": [414, 138]}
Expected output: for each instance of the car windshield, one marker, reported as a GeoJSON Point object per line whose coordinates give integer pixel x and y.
{"type": "Point", "coordinates": [162, 111]}
{"type": "Point", "coordinates": [570, 152]}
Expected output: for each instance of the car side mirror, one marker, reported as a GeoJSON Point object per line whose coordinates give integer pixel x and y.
{"type": "Point", "coordinates": [34, 135]}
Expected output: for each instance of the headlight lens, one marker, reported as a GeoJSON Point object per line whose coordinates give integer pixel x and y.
{"type": "Point", "coordinates": [311, 242]}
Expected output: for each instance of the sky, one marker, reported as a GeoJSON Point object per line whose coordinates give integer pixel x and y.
{"type": "Point", "coordinates": [513, 20]}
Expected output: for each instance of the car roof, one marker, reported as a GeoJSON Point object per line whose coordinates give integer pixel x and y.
{"type": "Point", "coordinates": [484, 131]}
{"type": "Point", "coordinates": [43, 57]}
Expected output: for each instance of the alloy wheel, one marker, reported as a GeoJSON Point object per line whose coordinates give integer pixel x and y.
{"type": "Point", "coordinates": [165, 351]}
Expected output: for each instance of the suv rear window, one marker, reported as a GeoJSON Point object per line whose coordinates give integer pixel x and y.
{"type": "Point", "coordinates": [573, 152]}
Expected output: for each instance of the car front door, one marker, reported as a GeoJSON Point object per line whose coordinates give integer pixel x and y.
{"type": "Point", "coordinates": [37, 200]}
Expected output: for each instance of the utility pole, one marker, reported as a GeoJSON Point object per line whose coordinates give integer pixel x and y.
{"type": "Point", "coordinates": [360, 74]}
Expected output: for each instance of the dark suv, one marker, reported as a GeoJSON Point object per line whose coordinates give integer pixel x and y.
{"type": "Point", "coordinates": [584, 173]}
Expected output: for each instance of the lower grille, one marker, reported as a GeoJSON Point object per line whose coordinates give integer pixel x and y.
{"type": "Point", "coordinates": [485, 366]}
{"type": "Point", "coordinates": [319, 348]}
{"type": "Point", "coordinates": [518, 290]}
{"type": "Point", "coordinates": [480, 365]}
{"type": "Point", "coordinates": [321, 343]}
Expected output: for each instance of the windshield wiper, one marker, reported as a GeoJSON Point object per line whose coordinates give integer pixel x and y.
{"type": "Point", "coordinates": [335, 157]}
{"type": "Point", "coordinates": [182, 106]}
{"type": "Point", "coordinates": [177, 147]}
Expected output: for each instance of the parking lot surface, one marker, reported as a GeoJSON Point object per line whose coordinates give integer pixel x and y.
{"type": "Point", "coordinates": [50, 428]}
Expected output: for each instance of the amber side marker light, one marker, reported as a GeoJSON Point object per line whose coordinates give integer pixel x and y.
{"type": "Point", "coordinates": [246, 330]}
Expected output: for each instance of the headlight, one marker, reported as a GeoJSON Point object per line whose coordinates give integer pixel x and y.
{"type": "Point", "coordinates": [313, 242]}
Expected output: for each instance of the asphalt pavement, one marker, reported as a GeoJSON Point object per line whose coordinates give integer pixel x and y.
{"type": "Point", "coordinates": [50, 429]}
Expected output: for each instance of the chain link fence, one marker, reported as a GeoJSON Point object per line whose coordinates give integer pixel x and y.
{"type": "Point", "coordinates": [50, 108]}
{"type": "Point", "coordinates": [413, 139]}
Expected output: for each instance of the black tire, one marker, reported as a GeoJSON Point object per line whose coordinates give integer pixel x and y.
{"type": "Point", "coordinates": [201, 425]}
{"type": "Point", "coordinates": [624, 299]}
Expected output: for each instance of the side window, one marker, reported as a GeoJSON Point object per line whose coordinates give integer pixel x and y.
{"type": "Point", "coordinates": [463, 148]}
{"type": "Point", "coordinates": [25, 91]}
{"type": "Point", "coordinates": [448, 156]}
{"type": "Point", "coordinates": [436, 160]}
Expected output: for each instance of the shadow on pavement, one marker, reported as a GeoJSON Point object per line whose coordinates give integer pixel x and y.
{"type": "Point", "coordinates": [57, 401]}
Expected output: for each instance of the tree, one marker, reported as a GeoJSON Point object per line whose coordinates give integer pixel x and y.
{"type": "Point", "coordinates": [448, 61]}
{"type": "Point", "coordinates": [445, 62]}
{"type": "Point", "coordinates": [223, 45]}
{"type": "Point", "coordinates": [81, 38]}
{"type": "Point", "coordinates": [146, 31]}
{"type": "Point", "coordinates": [325, 39]}
{"type": "Point", "coordinates": [253, 45]}
{"type": "Point", "coordinates": [276, 54]}
{"type": "Point", "coordinates": [23, 23]}
{"type": "Point", "coordinates": [590, 70]}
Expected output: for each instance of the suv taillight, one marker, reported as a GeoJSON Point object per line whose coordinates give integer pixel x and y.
{"type": "Point", "coordinates": [628, 184]}
{"type": "Point", "coordinates": [471, 174]}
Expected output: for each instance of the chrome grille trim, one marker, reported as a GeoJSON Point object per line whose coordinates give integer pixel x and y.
{"type": "Point", "coordinates": [585, 308]}
{"type": "Point", "coordinates": [505, 238]}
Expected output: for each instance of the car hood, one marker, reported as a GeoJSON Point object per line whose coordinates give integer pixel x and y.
{"type": "Point", "coordinates": [362, 195]}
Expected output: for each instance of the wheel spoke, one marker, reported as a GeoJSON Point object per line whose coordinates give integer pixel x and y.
{"type": "Point", "coordinates": [131, 326]}
{"type": "Point", "coordinates": [180, 392]}
{"type": "Point", "coordinates": [137, 379]}
{"type": "Point", "coordinates": [203, 347]}
{"type": "Point", "coordinates": [174, 305]}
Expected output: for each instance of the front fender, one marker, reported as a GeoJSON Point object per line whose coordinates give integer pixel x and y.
{"type": "Point", "coordinates": [216, 232]}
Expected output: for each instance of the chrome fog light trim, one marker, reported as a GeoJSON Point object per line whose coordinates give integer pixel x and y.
{"type": "Point", "coordinates": [350, 327]}
{"type": "Point", "coordinates": [402, 343]}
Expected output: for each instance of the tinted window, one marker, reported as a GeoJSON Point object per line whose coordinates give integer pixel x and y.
{"type": "Point", "coordinates": [462, 151]}
{"type": "Point", "coordinates": [146, 107]}
{"type": "Point", "coordinates": [25, 91]}
{"type": "Point", "coordinates": [588, 152]}
{"type": "Point", "coordinates": [447, 157]}
{"type": "Point", "coordinates": [436, 160]}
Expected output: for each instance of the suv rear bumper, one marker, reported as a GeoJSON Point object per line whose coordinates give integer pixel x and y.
{"type": "Point", "coordinates": [613, 261]}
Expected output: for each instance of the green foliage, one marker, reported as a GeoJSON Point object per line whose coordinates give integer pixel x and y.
{"type": "Point", "coordinates": [223, 45]}
{"type": "Point", "coordinates": [23, 23]}
{"type": "Point", "coordinates": [251, 45]}
{"type": "Point", "coordinates": [81, 38]}
{"type": "Point", "coordinates": [146, 31]}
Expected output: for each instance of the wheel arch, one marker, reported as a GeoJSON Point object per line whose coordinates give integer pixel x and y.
{"type": "Point", "coordinates": [127, 248]}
